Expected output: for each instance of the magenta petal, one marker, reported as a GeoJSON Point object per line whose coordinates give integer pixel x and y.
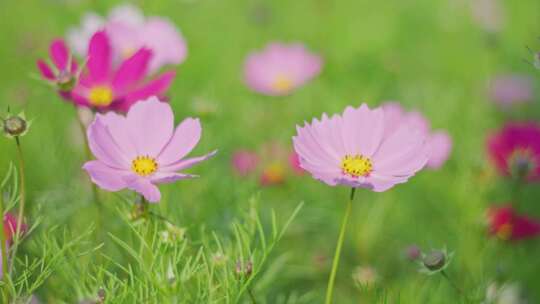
{"type": "Point", "coordinates": [168, 177]}
{"type": "Point", "coordinates": [145, 187]}
{"type": "Point", "coordinates": [150, 124]}
{"type": "Point", "coordinates": [105, 177]}
{"type": "Point", "coordinates": [185, 138]}
{"type": "Point", "coordinates": [154, 88]}
{"type": "Point", "coordinates": [99, 57]}
{"type": "Point", "coordinates": [104, 147]}
{"type": "Point", "coordinates": [59, 54]}
{"type": "Point", "coordinates": [187, 163]}
{"type": "Point", "coordinates": [45, 70]}
{"type": "Point", "coordinates": [132, 70]}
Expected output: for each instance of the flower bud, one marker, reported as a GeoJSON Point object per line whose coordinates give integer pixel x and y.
{"type": "Point", "coordinates": [435, 260]}
{"type": "Point", "coordinates": [244, 271]}
{"type": "Point", "coordinates": [66, 81]}
{"type": "Point", "coordinates": [15, 125]}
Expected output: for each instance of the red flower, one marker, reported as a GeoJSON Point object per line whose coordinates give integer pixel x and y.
{"type": "Point", "coordinates": [506, 224]}
{"type": "Point", "coordinates": [515, 150]}
{"type": "Point", "coordinates": [10, 227]}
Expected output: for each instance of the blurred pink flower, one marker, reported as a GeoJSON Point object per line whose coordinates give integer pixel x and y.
{"type": "Point", "coordinates": [63, 74]}
{"type": "Point", "coordinates": [142, 149]}
{"type": "Point", "coordinates": [488, 15]}
{"type": "Point", "coordinates": [280, 68]}
{"type": "Point", "coordinates": [10, 227]}
{"type": "Point", "coordinates": [103, 87]}
{"type": "Point", "coordinates": [507, 224]}
{"type": "Point", "coordinates": [515, 150]}
{"type": "Point", "coordinates": [244, 162]}
{"type": "Point", "coordinates": [129, 31]}
{"type": "Point", "coordinates": [78, 38]}
{"type": "Point", "coordinates": [358, 150]}
{"type": "Point", "coordinates": [438, 143]}
{"type": "Point", "coordinates": [507, 90]}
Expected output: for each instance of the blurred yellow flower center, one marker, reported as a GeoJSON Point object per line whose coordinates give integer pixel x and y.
{"type": "Point", "coordinates": [505, 231]}
{"type": "Point", "coordinates": [356, 165]}
{"type": "Point", "coordinates": [100, 96]}
{"type": "Point", "coordinates": [144, 165]}
{"type": "Point", "coordinates": [282, 83]}
{"type": "Point", "coordinates": [127, 52]}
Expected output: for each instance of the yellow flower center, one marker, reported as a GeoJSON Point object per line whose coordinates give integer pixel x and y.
{"type": "Point", "coordinates": [505, 231]}
{"type": "Point", "coordinates": [100, 96]}
{"type": "Point", "coordinates": [357, 165]}
{"type": "Point", "coordinates": [127, 52]}
{"type": "Point", "coordinates": [282, 84]}
{"type": "Point", "coordinates": [144, 165]}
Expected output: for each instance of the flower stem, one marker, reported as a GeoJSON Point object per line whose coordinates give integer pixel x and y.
{"type": "Point", "coordinates": [458, 290]}
{"type": "Point", "coordinates": [22, 200]}
{"type": "Point", "coordinates": [337, 253]}
{"type": "Point", "coordinates": [251, 296]}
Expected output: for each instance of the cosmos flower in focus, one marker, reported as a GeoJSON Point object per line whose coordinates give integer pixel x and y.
{"type": "Point", "coordinates": [361, 149]}
{"type": "Point", "coordinates": [142, 149]}
{"type": "Point", "coordinates": [507, 90]}
{"type": "Point", "coordinates": [64, 72]}
{"type": "Point", "coordinates": [130, 30]}
{"type": "Point", "coordinates": [279, 69]}
{"type": "Point", "coordinates": [438, 143]}
{"type": "Point", "coordinates": [505, 223]}
{"type": "Point", "coordinates": [515, 150]}
{"type": "Point", "coordinates": [104, 87]}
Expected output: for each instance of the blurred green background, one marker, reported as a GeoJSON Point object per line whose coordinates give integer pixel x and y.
{"type": "Point", "coordinates": [430, 55]}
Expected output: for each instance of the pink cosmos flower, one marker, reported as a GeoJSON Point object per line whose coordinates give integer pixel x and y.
{"type": "Point", "coordinates": [10, 227]}
{"type": "Point", "coordinates": [438, 143]}
{"type": "Point", "coordinates": [279, 69]}
{"type": "Point", "coordinates": [142, 149]}
{"type": "Point", "coordinates": [64, 72]}
{"type": "Point", "coordinates": [244, 162]}
{"type": "Point", "coordinates": [515, 150]}
{"type": "Point", "coordinates": [130, 31]}
{"type": "Point", "coordinates": [507, 224]}
{"type": "Point", "coordinates": [103, 87]}
{"type": "Point", "coordinates": [508, 90]}
{"type": "Point", "coordinates": [361, 148]}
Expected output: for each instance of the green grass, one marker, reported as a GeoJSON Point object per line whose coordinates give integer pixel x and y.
{"type": "Point", "coordinates": [427, 54]}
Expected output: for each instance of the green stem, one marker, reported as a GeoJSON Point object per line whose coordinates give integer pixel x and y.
{"type": "Point", "coordinates": [251, 296]}
{"type": "Point", "coordinates": [458, 290]}
{"type": "Point", "coordinates": [337, 253]}
{"type": "Point", "coordinates": [22, 201]}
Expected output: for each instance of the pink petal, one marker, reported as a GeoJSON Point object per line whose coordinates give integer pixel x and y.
{"type": "Point", "coordinates": [105, 177]}
{"type": "Point", "coordinates": [99, 57]}
{"type": "Point", "coordinates": [162, 36]}
{"type": "Point", "coordinates": [363, 130]}
{"type": "Point", "coordinates": [150, 124]}
{"type": "Point", "coordinates": [132, 70]}
{"type": "Point", "coordinates": [104, 147]}
{"type": "Point", "coordinates": [185, 138]}
{"type": "Point", "coordinates": [187, 163]}
{"type": "Point", "coordinates": [45, 70]}
{"type": "Point", "coordinates": [168, 177]}
{"type": "Point", "coordinates": [59, 54]}
{"type": "Point", "coordinates": [156, 87]}
{"type": "Point", "coordinates": [145, 187]}
{"type": "Point", "coordinates": [440, 146]}
{"type": "Point", "coordinates": [118, 127]}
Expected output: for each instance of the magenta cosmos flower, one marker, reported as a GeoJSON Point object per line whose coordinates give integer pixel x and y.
{"type": "Point", "coordinates": [507, 224]}
{"type": "Point", "coordinates": [280, 68]}
{"type": "Point", "coordinates": [515, 150]}
{"type": "Point", "coordinates": [104, 87]}
{"type": "Point", "coordinates": [361, 149]}
{"type": "Point", "coordinates": [63, 73]}
{"type": "Point", "coordinates": [142, 149]}
{"type": "Point", "coordinates": [130, 30]}
{"type": "Point", "coordinates": [438, 143]}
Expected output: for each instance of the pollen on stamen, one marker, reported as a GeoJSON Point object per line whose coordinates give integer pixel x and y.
{"type": "Point", "coordinates": [356, 165]}
{"type": "Point", "coordinates": [144, 165]}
